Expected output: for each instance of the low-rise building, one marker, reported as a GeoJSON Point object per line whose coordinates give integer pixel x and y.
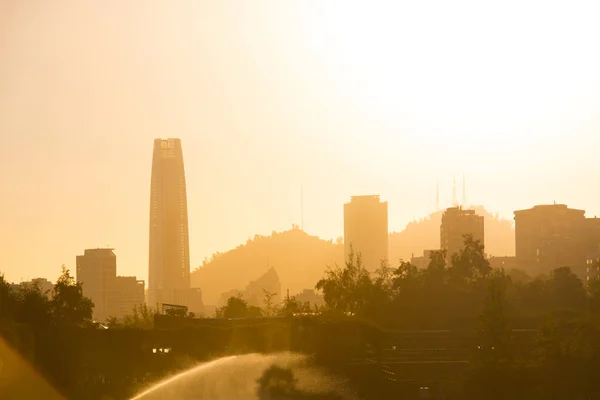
{"type": "Point", "coordinates": [506, 262]}
{"type": "Point", "coordinates": [422, 262]}
{"type": "Point", "coordinates": [128, 293]}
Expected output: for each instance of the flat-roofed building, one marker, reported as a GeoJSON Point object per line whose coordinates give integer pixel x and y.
{"type": "Point", "coordinates": [366, 230]}
{"type": "Point", "coordinates": [97, 271]}
{"type": "Point", "coordinates": [551, 236]}
{"type": "Point", "coordinates": [456, 223]}
{"type": "Point", "coordinates": [128, 294]}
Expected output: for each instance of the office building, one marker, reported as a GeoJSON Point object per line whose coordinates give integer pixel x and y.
{"type": "Point", "coordinates": [96, 270]}
{"type": "Point", "coordinates": [366, 230]}
{"type": "Point", "coordinates": [506, 262]}
{"type": "Point", "coordinates": [311, 297]}
{"type": "Point", "coordinates": [553, 236]}
{"type": "Point", "coordinates": [422, 262]}
{"type": "Point", "coordinates": [112, 295]}
{"type": "Point", "coordinates": [169, 258]}
{"type": "Point", "coordinates": [456, 223]}
{"type": "Point", "coordinates": [128, 294]}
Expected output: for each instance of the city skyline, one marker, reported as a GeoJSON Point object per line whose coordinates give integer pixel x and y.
{"type": "Point", "coordinates": [274, 100]}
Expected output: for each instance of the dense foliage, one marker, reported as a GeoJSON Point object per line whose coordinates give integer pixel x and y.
{"type": "Point", "coordinates": [64, 306]}
{"type": "Point", "coordinates": [362, 311]}
{"type": "Point", "coordinates": [466, 293]}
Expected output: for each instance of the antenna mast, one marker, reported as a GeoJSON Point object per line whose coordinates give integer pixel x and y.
{"type": "Point", "coordinates": [302, 207]}
{"type": "Point", "coordinates": [437, 196]}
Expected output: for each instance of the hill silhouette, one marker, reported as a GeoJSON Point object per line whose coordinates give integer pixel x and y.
{"type": "Point", "coordinates": [301, 259]}
{"type": "Point", "coordinates": [424, 234]}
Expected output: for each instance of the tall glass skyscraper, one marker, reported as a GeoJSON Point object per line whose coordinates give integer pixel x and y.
{"type": "Point", "coordinates": [169, 262]}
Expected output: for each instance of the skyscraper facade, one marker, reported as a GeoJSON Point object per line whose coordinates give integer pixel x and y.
{"type": "Point", "coordinates": [366, 230]}
{"type": "Point", "coordinates": [97, 271]}
{"type": "Point", "coordinates": [112, 295]}
{"type": "Point", "coordinates": [553, 236]}
{"type": "Point", "coordinates": [456, 223]}
{"type": "Point", "coordinates": [169, 258]}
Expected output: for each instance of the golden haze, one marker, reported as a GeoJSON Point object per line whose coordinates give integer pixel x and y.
{"type": "Point", "coordinates": [344, 100]}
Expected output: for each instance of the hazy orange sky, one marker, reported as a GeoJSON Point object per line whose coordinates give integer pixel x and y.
{"type": "Point", "coordinates": [344, 97]}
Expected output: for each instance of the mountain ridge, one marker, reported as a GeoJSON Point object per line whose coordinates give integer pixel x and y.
{"type": "Point", "coordinates": [301, 259]}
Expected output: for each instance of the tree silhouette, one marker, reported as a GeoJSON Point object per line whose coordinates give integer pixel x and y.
{"type": "Point", "coordinates": [142, 317]}
{"type": "Point", "coordinates": [7, 299]}
{"type": "Point", "coordinates": [565, 290]}
{"type": "Point", "coordinates": [33, 307]}
{"type": "Point", "coordinates": [495, 330]}
{"type": "Point", "coordinates": [346, 290]}
{"type": "Point", "coordinates": [470, 262]}
{"type": "Point", "coordinates": [270, 308]}
{"type": "Point", "coordinates": [69, 306]}
{"type": "Point", "coordinates": [292, 306]}
{"type": "Point", "coordinates": [237, 307]}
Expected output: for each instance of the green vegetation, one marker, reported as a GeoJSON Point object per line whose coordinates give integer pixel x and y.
{"type": "Point", "coordinates": [237, 307]}
{"type": "Point", "coordinates": [467, 293]}
{"type": "Point", "coordinates": [300, 258]}
{"type": "Point", "coordinates": [362, 313]}
{"type": "Point", "coordinates": [67, 306]}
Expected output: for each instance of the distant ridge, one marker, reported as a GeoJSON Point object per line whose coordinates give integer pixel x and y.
{"type": "Point", "coordinates": [424, 234]}
{"type": "Point", "coordinates": [301, 259]}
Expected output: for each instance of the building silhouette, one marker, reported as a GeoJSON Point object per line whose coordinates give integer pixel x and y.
{"type": "Point", "coordinates": [44, 285]}
{"type": "Point", "coordinates": [128, 293]}
{"type": "Point", "coordinates": [96, 270]}
{"type": "Point", "coordinates": [169, 254]}
{"type": "Point", "coordinates": [456, 223]}
{"type": "Point", "coordinates": [112, 295]}
{"type": "Point", "coordinates": [422, 262]}
{"type": "Point", "coordinates": [503, 262]}
{"type": "Point", "coordinates": [254, 293]}
{"type": "Point", "coordinates": [366, 230]}
{"type": "Point", "coordinates": [554, 236]}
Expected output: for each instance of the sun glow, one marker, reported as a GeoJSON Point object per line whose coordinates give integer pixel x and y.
{"type": "Point", "coordinates": [475, 75]}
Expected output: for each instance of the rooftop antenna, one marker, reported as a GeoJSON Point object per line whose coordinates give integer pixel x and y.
{"type": "Point", "coordinates": [437, 196]}
{"type": "Point", "coordinates": [302, 207]}
{"type": "Point", "coordinates": [464, 194]}
{"type": "Point", "coordinates": [454, 202]}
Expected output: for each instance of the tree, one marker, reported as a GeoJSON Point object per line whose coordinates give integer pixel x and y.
{"type": "Point", "coordinates": [435, 299]}
{"type": "Point", "coordinates": [407, 288]}
{"type": "Point", "coordinates": [270, 308]}
{"type": "Point", "coordinates": [142, 317]}
{"type": "Point", "coordinates": [33, 307]}
{"type": "Point", "coordinates": [380, 294]}
{"type": "Point", "coordinates": [565, 290]}
{"type": "Point", "coordinates": [7, 299]}
{"type": "Point", "coordinates": [69, 306]}
{"type": "Point", "coordinates": [292, 306]}
{"type": "Point", "coordinates": [594, 293]}
{"type": "Point", "coordinates": [470, 263]}
{"type": "Point", "coordinates": [495, 331]}
{"type": "Point", "coordinates": [346, 290]}
{"type": "Point", "coordinates": [237, 307]}
{"type": "Point", "coordinates": [494, 375]}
